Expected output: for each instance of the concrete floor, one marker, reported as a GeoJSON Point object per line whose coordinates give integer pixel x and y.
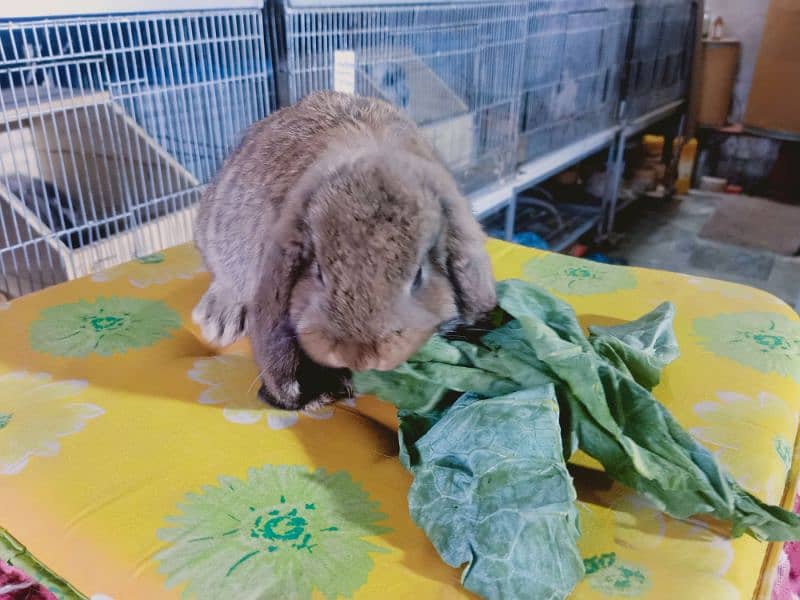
{"type": "Point", "coordinates": [665, 236]}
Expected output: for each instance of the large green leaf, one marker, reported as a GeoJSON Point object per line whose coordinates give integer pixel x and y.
{"type": "Point", "coordinates": [616, 420]}
{"type": "Point", "coordinates": [641, 348]}
{"type": "Point", "coordinates": [602, 384]}
{"type": "Point", "coordinates": [491, 491]}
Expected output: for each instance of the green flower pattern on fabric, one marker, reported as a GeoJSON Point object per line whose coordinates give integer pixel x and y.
{"type": "Point", "coordinates": [613, 577]}
{"type": "Point", "coordinates": [784, 452]}
{"type": "Point", "coordinates": [566, 275]}
{"type": "Point", "coordinates": [106, 326]}
{"type": "Point", "coordinates": [596, 563]}
{"type": "Point", "coordinates": [283, 532]}
{"type": "Point", "coordinates": [768, 342]}
{"type": "Point", "coordinates": [181, 262]}
{"type": "Point", "coordinates": [151, 259]}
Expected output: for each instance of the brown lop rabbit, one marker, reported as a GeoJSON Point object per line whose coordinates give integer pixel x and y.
{"type": "Point", "coordinates": [337, 241]}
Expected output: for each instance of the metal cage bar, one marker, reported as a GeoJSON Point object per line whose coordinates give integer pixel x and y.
{"type": "Point", "coordinates": [455, 68]}
{"type": "Point", "coordinates": [111, 125]}
{"type": "Point", "coordinates": [109, 128]}
{"type": "Point", "coordinates": [660, 54]}
{"type": "Point", "coordinates": [575, 53]}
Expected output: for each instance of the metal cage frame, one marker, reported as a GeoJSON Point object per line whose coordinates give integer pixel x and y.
{"type": "Point", "coordinates": [111, 125]}
{"type": "Point", "coordinates": [109, 128]}
{"type": "Point", "coordinates": [575, 55]}
{"type": "Point", "coordinates": [659, 60]}
{"type": "Point", "coordinates": [455, 68]}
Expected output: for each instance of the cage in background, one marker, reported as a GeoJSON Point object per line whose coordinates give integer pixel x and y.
{"type": "Point", "coordinates": [455, 68]}
{"type": "Point", "coordinates": [109, 128]}
{"type": "Point", "coordinates": [574, 56]}
{"type": "Point", "coordinates": [660, 54]}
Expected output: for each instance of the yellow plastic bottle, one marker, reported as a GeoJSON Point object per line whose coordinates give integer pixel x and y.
{"type": "Point", "coordinates": [653, 145]}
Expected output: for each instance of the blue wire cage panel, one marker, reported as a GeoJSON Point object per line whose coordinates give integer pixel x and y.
{"type": "Point", "coordinates": [660, 55]}
{"type": "Point", "coordinates": [574, 56]}
{"type": "Point", "coordinates": [455, 68]}
{"type": "Point", "coordinates": [110, 126]}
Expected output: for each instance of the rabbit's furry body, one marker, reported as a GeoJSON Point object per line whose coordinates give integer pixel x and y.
{"type": "Point", "coordinates": [336, 240]}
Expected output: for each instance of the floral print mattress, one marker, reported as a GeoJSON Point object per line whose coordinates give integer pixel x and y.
{"type": "Point", "coordinates": [136, 462]}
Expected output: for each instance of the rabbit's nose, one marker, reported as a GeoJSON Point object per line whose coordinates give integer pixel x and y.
{"type": "Point", "coordinates": [362, 361]}
{"type": "Point", "coordinates": [365, 363]}
{"type": "Point", "coordinates": [348, 357]}
{"type": "Point", "coordinates": [334, 359]}
{"type": "Point", "coordinates": [386, 364]}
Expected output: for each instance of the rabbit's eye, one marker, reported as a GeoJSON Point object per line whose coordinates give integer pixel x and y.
{"type": "Point", "coordinates": [417, 283]}
{"type": "Point", "coordinates": [319, 275]}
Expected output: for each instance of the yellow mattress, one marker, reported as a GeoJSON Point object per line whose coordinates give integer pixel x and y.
{"type": "Point", "coordinates": [137, 463]}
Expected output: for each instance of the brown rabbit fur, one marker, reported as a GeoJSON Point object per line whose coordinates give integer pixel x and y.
{"type": "Point", "coordinates": [336, 241]}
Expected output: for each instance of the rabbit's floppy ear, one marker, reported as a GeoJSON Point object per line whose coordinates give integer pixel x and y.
{"type": "Point", "coordinates": [272, 334]}
{"type": "Point", "coordinates": [468, 264]}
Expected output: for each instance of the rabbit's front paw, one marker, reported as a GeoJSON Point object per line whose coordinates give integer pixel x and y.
{"type": "Point", "coordinates": [316, 386]}
{"type": "Point", "coordinates": [287, 397]}
{"type": "Point", "coordinates": [222, 319]}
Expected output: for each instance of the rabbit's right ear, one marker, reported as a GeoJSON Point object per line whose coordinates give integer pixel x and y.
{"type": "Point", "coordinates": [468, 264]}
{"type": "Point", "coordinates": [272, 334]}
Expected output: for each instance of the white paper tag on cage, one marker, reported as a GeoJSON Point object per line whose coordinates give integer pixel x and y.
{"type": "Point", "coordinates": [344, 71]}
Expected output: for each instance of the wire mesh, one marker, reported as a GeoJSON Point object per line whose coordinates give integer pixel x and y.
{"type": "Point", "coordinates": [454, 68]}
{"type": "Point", "coordinates": [574, 56]}
{"type": "Point", "coordinates": [660, 56]}
{"type": "Point", "coordinates": [110, 127]}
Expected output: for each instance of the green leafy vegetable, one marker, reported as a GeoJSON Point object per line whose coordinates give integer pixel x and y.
{"type": "Point", "coordinates": [602, 384]}
{"type": "Point", "coordinates": [639, 349]}
{"type": "Point", "coordinates": [491, 489]}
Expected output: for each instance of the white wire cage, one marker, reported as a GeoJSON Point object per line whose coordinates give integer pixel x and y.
{"type": "Point", "coordinates": [111, 125]}
{"type": "Point", "coordinates": [574, 56]}
{"type": "Point", "coordinates": [109, 128]}
{"type": "Point", "coordinates": [455, 68]}
{"type": "Point", "coordinates": [660, 54]}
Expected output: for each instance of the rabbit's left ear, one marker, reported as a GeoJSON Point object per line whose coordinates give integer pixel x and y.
{"type": "Point", "coordinates": [468, 265]}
